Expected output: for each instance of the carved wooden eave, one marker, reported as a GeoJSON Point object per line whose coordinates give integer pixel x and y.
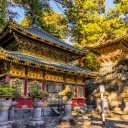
{"type": "Point", "coordinates": [124, 60]}
{"type": "Point", "coordinates": [111, 58]}
{"type": "Point", "coordinates": [109, 43]}
{"type": "Point", "coordinates": [12, 29]}
{"type": "Point", "coordinates": [19, 58]}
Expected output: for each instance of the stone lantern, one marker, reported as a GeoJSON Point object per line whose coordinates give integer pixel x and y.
{"type": "Point", "coordinates": [5, 104]}
{"type": "Point", "coordinates": [37, 103]}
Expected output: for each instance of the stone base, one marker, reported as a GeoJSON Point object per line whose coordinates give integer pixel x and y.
{"type": "Point", "coordinates": [6, 124]}
{"type": "Point", "coordinates": [125, 111]}
{"type": "Point", "coordinates": [34, 119]}
{"type": "Point", "coordinates": [117, 111]}
{"type": "Point", "coordinates": [108, 114]}
{"type": "Point", "coordinates": [36, 124]}
{"type": "Point", "coordinates": [67, 123]}
{"type": "Point", "coordinates": [87, 123]}
{"type": "Point", "coordinates": [86, 120]}
{"type": "Point", "coordinates": [97, 112]}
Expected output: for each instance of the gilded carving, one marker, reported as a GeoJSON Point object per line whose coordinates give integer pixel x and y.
{"type": "Point", "coordinates": [18, 70]}
{"type": "Point", "coordinates": [44, 51]}
{"type": "Point", "coordinates": [19, 84]}
{"type": "Point", "coordinates": [54, 77]}
{"type": "Point", "coordinates": [80, 80]}
{"type": "Point", "coordinates": [35, 73]}
{"type": "Point", "coordinates": [70, 79]}
{"type": "Point", "coordinates": [33, 85]}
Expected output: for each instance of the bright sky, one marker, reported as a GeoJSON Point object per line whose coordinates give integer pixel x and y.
{"type": "Point", "coordinates": [109, 4]}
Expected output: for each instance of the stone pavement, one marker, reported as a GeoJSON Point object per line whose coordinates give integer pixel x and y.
{"type": "Point", "coordinates": [84, 121]}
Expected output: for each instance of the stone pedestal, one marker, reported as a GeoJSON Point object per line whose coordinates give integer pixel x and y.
{"type": "Point", "coordinates": [6, 124]}
{"type": "Point", "coordinates": [106, 107]}
{"type": "Point", "coordinates": [67, 110]}
{"type": "Point", "coordinates": [5, 103]}
{"type": "Point", "coordinates": [98, 105]}
{"type": "Point", "coordinates": [126, 105]}
{"type": "Point", "coordinates": [36, 121]}
{"type": "Point", "coordinates": [11, 110]}
{"type": "Point", "coordinates": [116, 106]}
{"type": "Point", "coordinates": [67, 119]}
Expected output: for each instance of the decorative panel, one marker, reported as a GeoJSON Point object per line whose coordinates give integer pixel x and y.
{"type": "Point", "coordinates": [35, 73]}
{"type": "Point", "coordinates": [33, 85]}
{"type": "Point", "coordinates": [18, 83]}
{"type": "Point", "coordinates": [44, 51]}
{"type": "Point", "coordinates": [12, 46]}
{"type": "Point", "coordinates": [80, 80]}
{"type": "Point", "coordinates": [17, 70]}
{"type": "Point", "coordinates": [53, 88]}
{"type": "Point", "coordinates": [54, 78]}
{"type": "Point", "coordinates": [79, 91]}
{"type": "Point", "coordinates": [70, 80]}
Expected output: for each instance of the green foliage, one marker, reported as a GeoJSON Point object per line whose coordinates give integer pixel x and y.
{"type": "Point", "coordinates": [6, 91]}
{"type": "Point", "coordinates": [84, 18]}
{"type": "Point", "coordinates": [16, 93]}
{"type": "Point", "coordinates": [50, 22]}
{"type": "Point", "coordinates": [38, 93]}
{"type": "Point", "coordinates": [91, 62]}
{"type": "Point", "coordinates": [87, 24]}
{"type": "Point", "coordinates": [33, 8]}
{"type": "Point", "coordinates": [66, 92]}
{"type": "Point", "coordinates": [3, 5]}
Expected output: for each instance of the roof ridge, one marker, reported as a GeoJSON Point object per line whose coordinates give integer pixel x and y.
{"type": "Point", "coordinates": [41, 30]}
{"type": "Point", "coordinates": [47, 36]}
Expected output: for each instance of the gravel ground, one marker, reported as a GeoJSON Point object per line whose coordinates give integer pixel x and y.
{"type": "Point", "coordinates": [87, 121]}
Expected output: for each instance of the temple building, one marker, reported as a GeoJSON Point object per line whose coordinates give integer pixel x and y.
{"type": "Point", "coordinates": [30, 57]}
{"type": "Point", "coordinates": [112, 54]}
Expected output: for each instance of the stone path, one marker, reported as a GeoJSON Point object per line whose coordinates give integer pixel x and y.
{"type": "Point", "coordinates": [117, 121]}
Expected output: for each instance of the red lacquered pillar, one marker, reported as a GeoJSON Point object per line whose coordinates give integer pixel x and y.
{"type": "Point", "coordinates": [26, 82]}
{"type": "Point", "coordinates": [26, 86]}
{"type": "Point", "coordinates": [43, 85]}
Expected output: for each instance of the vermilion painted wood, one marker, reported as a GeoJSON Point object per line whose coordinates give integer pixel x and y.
{"type": "Point", "coordinates": [28, 102]}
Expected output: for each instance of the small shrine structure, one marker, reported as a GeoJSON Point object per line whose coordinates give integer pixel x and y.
{"type": "Point", "coordinates": [112, 54]}
{"type": "Point", "coordinates": [30, 57]}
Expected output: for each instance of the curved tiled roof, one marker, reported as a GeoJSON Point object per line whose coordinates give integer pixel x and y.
{"type": "Point", "coordinates": [50, 64]}
{"type": "Point", "coordinates": [39, 32]}
{"type": "Point", "coordinates": [18, 57]}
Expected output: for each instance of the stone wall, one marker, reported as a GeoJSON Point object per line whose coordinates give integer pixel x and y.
{"type": "Point", "coordinates": [115, 80]}
{"type": "Point", "coordinates": [21, 113]}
